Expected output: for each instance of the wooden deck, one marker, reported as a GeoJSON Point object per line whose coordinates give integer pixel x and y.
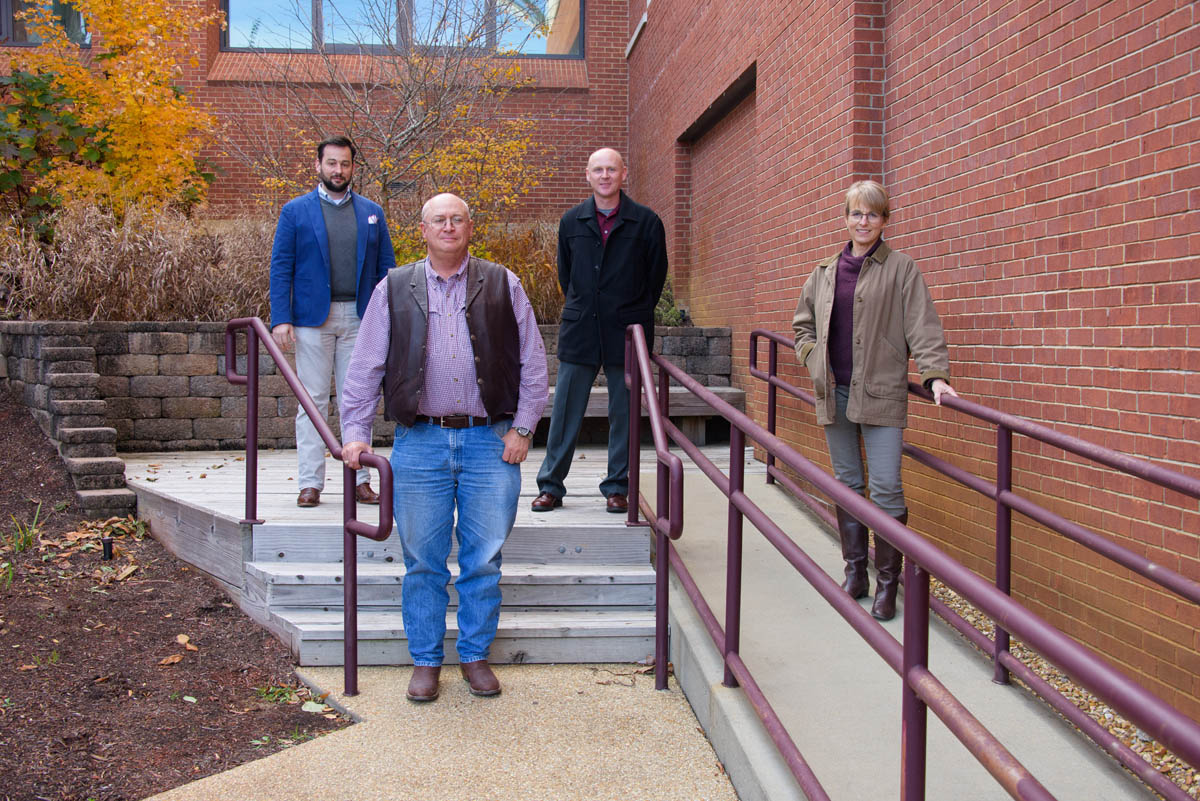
{"type": "Point", "coordinates": [578, 585]}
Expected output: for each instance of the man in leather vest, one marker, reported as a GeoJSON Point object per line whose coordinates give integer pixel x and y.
{"type": "Point", "coordinates": [454, 344]}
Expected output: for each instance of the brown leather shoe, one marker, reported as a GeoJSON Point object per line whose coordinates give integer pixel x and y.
{"type": "Point", "coordinates": [480, 678]}
{"type": "Point", "coordinates": [364, 494]}
{"type": "Point", "coordinates": [309, 496]}
{"type": "Point", "coordinates": [617, 503]}
{"type": "Point", "coordinates": [545, 502]}
{"type": "Point", "coordinates": [423, 686]}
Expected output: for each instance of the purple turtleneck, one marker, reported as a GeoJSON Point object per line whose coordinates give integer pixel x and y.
{"type": "Point", "coordinates": [841, 318]}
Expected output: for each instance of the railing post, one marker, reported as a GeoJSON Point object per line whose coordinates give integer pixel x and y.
{"type": "Point", "coordinates": [349, 582]}
{"type": "Point", "coordinates": [1003, 543]}
{"type": "Point", "coordinates": [634, 382]}
{"type": "Point", "coordinates": [772, 365]}
{"type": "Point", "coordinates": [251, 423]}
{"type": "Point", "coordinates": [733, 562]}
{"type": "Point", "coordinates": [662, 573]}
{"type": "Point", "coordinates": [913, 709]}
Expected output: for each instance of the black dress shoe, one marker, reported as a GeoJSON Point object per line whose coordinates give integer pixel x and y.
{"type": "Point", "coordinates": [617, 503]}
{"type": "Point", "coordinates": [545, 502]}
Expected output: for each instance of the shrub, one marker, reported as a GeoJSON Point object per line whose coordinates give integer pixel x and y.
{"type": "Point", "coordinates": [151, 265]}
{"type": "Point", "coordinates": [529, 250]}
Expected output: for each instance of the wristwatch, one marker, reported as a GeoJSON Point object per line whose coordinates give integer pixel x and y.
{"type": "Point", "coordinates": [524, 432]}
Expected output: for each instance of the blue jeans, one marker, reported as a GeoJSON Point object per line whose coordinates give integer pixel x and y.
{"type": "Point", "coordinates": [571, 391]}
{"type": "Point", "coordinates": [883, 446]}
{"type": "Point", "coordinates": [437, 471]}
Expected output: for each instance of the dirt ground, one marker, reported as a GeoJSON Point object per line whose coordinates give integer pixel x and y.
{"type": "Point", "coordinates": [120, 679]}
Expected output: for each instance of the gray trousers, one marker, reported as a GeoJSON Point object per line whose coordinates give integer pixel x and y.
{"type": "Point", "coordinates": [571, 392]}
{"type": "Point", "coordinates": [883, 446]}
{"type": "Point", "coordinates": [322, 352]}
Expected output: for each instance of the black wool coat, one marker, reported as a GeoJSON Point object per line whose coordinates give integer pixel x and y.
{"type": "Point", "coordinates": [608, 286]}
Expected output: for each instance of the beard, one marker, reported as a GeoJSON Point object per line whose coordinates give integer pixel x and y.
{"type": "Point", "coordinates": [335, 184]}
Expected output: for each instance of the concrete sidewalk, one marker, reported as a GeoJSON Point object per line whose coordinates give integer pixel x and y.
{"type": "Point", "coordinates": [556, 732]}
{"type": "Point", "coordinates": [838, 699]}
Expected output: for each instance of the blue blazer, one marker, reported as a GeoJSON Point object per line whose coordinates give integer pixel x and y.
{"type": "Point", "coordinates": [300, 292]}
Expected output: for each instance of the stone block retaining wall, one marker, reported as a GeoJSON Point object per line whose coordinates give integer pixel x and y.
{"type": "Point", "coordinates": [100, 388]}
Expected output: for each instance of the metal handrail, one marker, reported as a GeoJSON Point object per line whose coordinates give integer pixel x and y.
{"type": "Point", "coordinates": [921, 689]}
{"type": "Point", "coordinates": [1006, 501]}
{"type": "Point", "coordinates": [257, 331]}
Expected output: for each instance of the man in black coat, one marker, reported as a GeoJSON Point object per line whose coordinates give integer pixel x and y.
{"type": "Point", "coordinates": [612, 264]}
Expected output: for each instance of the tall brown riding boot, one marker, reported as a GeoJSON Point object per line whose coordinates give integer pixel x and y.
{"type": "Point", "coordinates": [888, 563]}
{"type": "Point", "coordinates": [854, 550]}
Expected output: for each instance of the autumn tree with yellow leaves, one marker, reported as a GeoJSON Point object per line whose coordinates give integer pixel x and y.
{"type": "Point", "coordinates": [130, 135]}
{"type": "Point", "coordinates": [423, 98]}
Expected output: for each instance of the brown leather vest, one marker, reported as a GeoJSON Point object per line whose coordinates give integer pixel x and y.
{"type": "Point", "coordinates": [495, 339]}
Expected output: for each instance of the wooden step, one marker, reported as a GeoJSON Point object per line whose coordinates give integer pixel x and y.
{"type": "Point", "coordinates": [548, 538]}
{"type": "Point", "coordinates": [320, 585]}
{"type": "Point", "coordinates": [542, 637]}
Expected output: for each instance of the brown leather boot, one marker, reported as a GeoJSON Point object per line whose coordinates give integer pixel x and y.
{"type": "Point", "coordinates": [854, 550]}
{"type": "Point", "coordinates": [480, 678]}
{"type": "Point", "coordinates": [423, 686]}
{"type": "Point", "coordinates": [889, 562]}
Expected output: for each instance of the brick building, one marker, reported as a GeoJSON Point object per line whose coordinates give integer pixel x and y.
{"type": "Point", "coordinates": [1043, 162]}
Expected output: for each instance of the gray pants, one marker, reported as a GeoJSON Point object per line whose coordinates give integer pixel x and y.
{"type": "Point", "coordinates": [571, 392]}
{"type": "Point", "coordinates": [321, 353]}
{"type": "Point", "coordinates": [883, 446]}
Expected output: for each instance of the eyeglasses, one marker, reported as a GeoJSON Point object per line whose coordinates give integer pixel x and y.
{"type": "Point", "coordinates": [440, 221]}
{"type": "Point", "coordinates": [870, 215]}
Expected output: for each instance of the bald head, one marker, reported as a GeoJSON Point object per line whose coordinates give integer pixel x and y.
{"type": "Point", "coordinates": [606, 175]}
{"type": "Point", "coordinates": [446, 228]}
{"type": "Point", "coordinates": [446, 200]}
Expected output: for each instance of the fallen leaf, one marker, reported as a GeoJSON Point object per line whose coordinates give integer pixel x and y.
{"type": "Point", "coordinates": [189, 699]}
{"type": "Point", "coordinates": [182, 639]}
{"type": "Point", "coordinates": [204, 475]}
{"type": "Point", "coordinates": [28, 667]}
{"type": "Point", "coordinates": [127, 572]}
{"type": "Point", "coordinates": [312, 706]}
{"type": "Point", "coordinates": [171, 660]}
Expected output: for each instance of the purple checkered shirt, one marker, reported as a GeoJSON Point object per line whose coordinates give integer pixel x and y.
{"type": "Point", "coordinates": [450, 386]}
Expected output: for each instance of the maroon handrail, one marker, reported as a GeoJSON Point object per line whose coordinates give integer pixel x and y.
{"type": "Point", "coordinates": [1006, 501]}
{"type": "Point", "coordinates": [922, 690]}
{"type": "Point", "coordinates": [257, 331]}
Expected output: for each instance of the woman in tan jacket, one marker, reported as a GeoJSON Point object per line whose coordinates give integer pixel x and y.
{"type": "Point", "coordinates": [861, 313]}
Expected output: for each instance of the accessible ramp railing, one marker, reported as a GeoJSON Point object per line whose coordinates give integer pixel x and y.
{"type": "Point", "coordinates": [256, 332]}
{"type": "Point", "coordinates": [920, 688]}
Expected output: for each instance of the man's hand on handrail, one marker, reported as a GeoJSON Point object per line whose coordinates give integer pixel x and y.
{"type": "Point", "coordinates": [939, 388]}
{"type": "Point", "coordinates": [352, 450]}
{"type": "Point", "coordinates": [283, 335]}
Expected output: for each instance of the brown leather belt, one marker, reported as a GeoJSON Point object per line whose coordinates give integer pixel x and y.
{"type": "Point", "coordinates": [462, 420]}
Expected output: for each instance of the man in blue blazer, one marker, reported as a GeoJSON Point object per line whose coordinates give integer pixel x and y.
{"type": "Point", "coordinates": [331, 248]}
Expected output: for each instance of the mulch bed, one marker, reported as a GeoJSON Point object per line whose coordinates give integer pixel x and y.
{"type": "Point", "coordinates": [121, 679]}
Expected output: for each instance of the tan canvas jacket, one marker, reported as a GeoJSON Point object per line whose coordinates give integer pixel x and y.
{"type": "Point", "coordinates": [893, 317]}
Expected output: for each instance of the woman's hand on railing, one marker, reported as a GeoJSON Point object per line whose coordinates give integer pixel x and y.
{"type": "Point", "coordinates": [352, 450]}
{"type": "Point", "coordinates": [939, 388]}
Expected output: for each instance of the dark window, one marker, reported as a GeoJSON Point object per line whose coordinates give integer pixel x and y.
{"type": "Point", "coordinates": [515, 27]}
{"type": "Point", "coordinates": [13, 28]}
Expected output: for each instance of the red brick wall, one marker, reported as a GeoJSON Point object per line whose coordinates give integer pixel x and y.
{"type": "Point", "coordinates": [1043, 165]}
{"type": "Point", "coordinates": [578, 106]}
